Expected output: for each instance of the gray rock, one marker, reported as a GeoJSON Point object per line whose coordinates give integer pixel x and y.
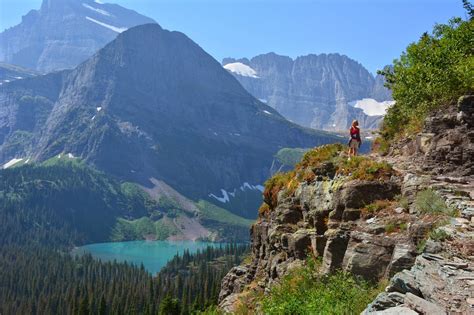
{"type": "Point", "coordinates": [384, 301]}
{"type": "Point", "coordinates": [335, 249]}
{"type": "Point", "coordinates": [367, 255]}
{"type": "Point", "coordinates": [423, 306]}
{"type": "Point", "coordinates": [397, 310]}
{"type": "Point", "coordinates": [356, 194]}
{"type": "Point", "coordinates": [404, 282]}
{"type": "Point", "coordinates": [433, 247]}
{"type": "Point", "coordinates": [300, 243]}
{"type": "Point", "coordinates": [403, 257]}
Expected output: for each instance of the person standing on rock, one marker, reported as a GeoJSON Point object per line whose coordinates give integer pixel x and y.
{"type": "Point", "coordinates": [354, 141]}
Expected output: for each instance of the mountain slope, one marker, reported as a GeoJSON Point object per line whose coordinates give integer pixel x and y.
{"type": "Point", "coordinates": [314, 90]}
{"type": "Point", "coordinates": [10, 73]}
{"type": "Point", "coordinates": [65, 193]}
{"type": "Point", "coordinates": [151, 106]}
{"type": "Point", "coordinates": [64, 33]}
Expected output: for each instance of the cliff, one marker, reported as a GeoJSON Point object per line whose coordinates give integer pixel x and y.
{"type": "Point", "coordinates": [395, 217]}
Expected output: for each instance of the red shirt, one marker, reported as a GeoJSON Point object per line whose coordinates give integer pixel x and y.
{"type": "Point", "coordinates": [355, 133]}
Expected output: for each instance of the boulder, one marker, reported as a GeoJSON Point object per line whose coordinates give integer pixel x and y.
{"type": "Point", "coordinates": [403, 257]}
{"type": "Point", "coordinates": [367, 255]}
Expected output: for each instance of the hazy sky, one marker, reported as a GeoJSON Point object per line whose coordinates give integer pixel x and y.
{"type": "Point", "coordinates": [373, 32]}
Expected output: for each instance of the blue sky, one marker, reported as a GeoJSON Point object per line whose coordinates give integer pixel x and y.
{"type": "Point", "coordinates": [373, 32]}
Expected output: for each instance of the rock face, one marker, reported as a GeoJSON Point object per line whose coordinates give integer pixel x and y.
{"type": "Point", "coordinates": [64, 33]}
{"type": "Point", "coordinates": [314, 90]}
{"type": "Point", "coordinates": [151, 104]}
{"type": "Point", "coordinates": [323, 218]}
{"type": "Point", "coordinates": [446, 144]}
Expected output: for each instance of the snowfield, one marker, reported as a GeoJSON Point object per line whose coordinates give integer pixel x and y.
{"type": "Point", "coordinates": [241, 69]}
{"type": "Point", "coordinates": [371, 107]}
{"type": "Point", "coordinates": [110, 27]}
{"type": "Point", "coordinates": [11, 163]}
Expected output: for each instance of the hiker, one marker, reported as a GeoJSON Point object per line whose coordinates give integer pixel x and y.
{"type": "Point", "coordinates": [355, 141]}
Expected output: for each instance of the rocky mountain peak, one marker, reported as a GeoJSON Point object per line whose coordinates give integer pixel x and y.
{"type": "Point", "coordinates": [64, 33]}
{"type": "Point", "coordinates": [318, 91]}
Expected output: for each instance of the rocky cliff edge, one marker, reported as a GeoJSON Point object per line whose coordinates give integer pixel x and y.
{"type": "Point", "coordinates": [406, 217]}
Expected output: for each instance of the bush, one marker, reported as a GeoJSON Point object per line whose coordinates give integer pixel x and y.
{"type": "Point", "coordinates": [306, 292]}
{"type": "Point", "coordinates": [432, 72]}
{"type": "Point", "coordinates": [439, 235]}
{"type": "Point", "coordinates": [402, 201]}
{"type": "Point", "coordinates": [427, 201]}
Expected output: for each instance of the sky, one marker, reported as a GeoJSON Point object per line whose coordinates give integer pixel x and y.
{"type": "Point", "coordinates": [373, 32]}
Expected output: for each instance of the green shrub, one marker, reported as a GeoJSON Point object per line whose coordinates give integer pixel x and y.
{"type": "Point", "coordinates": [428, 201]}
{"type": "Point", "coordinates": [391, 227]}
{"type": "Point", "coordinates": [432, 72]}
{"type": "Point", "coordinates": [439, 235]}
{"type": "Point", "coordinates": [402, 201]}
{"type": "Point", "coordinates": [304, 291]}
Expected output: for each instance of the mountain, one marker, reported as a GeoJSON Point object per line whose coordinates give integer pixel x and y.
{"type": "Point", "coordinates": [153, 108]}
{"type": "Point", "coordinates": [64, 33]}
{"type": "Point", "coordinates": [10, 73]}
{"type": "Point", "coordinates": [317, 91]}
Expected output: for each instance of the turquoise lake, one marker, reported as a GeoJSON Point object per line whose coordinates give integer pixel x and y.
{"type": "Point", "coordinates": [152, 254]}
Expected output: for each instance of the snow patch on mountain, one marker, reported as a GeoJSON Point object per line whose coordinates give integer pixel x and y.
{"type": "Point", "coordinates": [11, 163]}
{"type": "Point", "coordinates": [371, 107]}
{"type": "Point", "coordinates": [225, 196]}
{"type": "Point", "coordinates": [241, 69]}
{"type": "Point", "coordinates": [100, 11]}
{"type": "Point", "coordinates": [110, 27]}
{"type": "Point", "coordinates": [251, 187]}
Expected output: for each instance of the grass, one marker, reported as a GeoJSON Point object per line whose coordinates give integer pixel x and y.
{"type": "Point", "coordinates": [392, 227]}
{"type": "Point", "coordinates": [275, 184]}
{"type": "Point", "coordinates": [428, 201]}
{"type": "Point", "coordinates": [363, 168]}
{"type": "Point", "coordinates": [215, 213]}
{"type": "Point", "coordinates": [304, 291]}
{"type": "Point", "coordinates": [402, 201]}
{"type": "Point", "coordinates": [439, 235]}
{"type": "Point", "coordinates": [376, 206]}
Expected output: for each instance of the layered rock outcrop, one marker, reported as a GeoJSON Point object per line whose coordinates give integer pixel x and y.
{"type": "Point", "coordinates": [376, 229]}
